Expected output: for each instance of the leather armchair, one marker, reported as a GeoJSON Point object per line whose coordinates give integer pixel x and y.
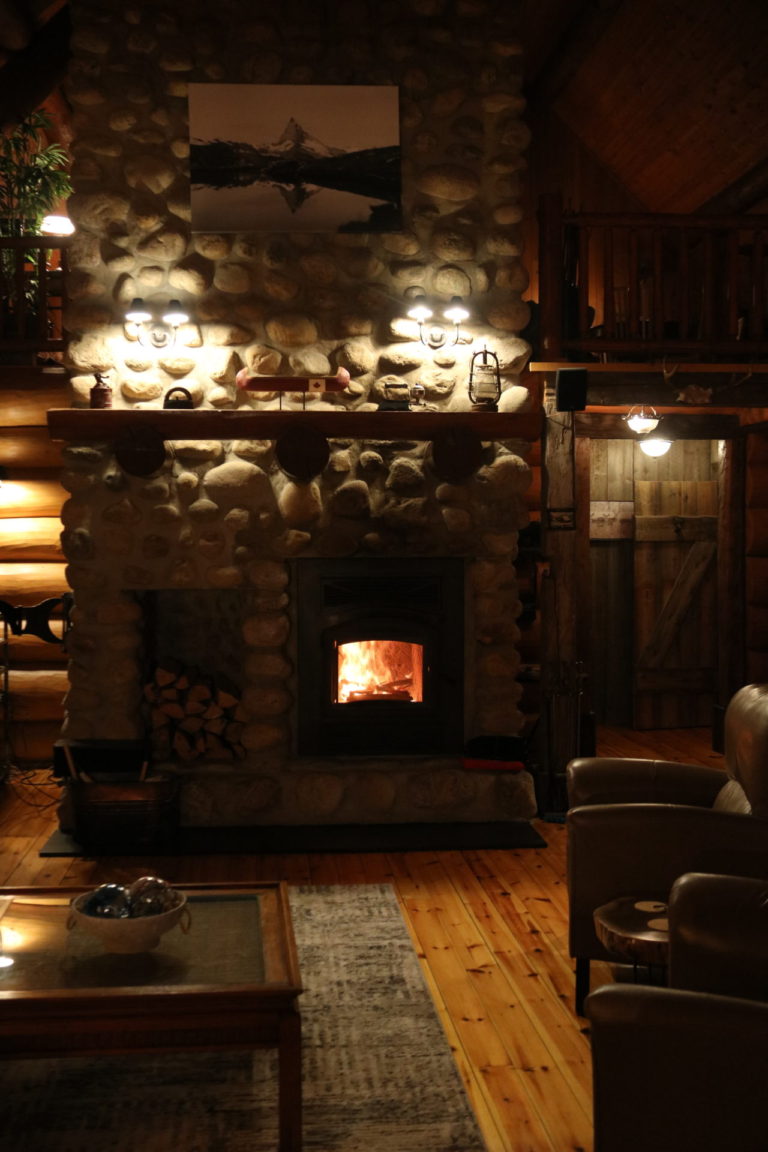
{"type": "Point", "coordinates": [635, 826]}
{"type": "Point", "coordinates": [686, 1066]}
{"type": "Point", "coordinates": [674, 1069]}
{"type": "Point", "coordinates": [718, 935]}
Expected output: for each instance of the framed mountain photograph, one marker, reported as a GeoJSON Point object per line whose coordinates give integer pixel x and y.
{"type": "Point", "coordinates": [294, 158]}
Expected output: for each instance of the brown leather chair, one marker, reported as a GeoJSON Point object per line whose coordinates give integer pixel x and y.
{"type": "Point", "coordinates": [686, 1066]}
{"type": "Point", "coordinates": [635, 826]}
{"type": "Point", "coordinates": [718, 935]}
{"type": "Point", "coordinates": [676, 1070]}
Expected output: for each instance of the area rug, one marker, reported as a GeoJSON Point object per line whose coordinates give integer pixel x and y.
{"type": "Point", "coordinates": [378, 1072]}
{"type": "Point", "coordinates": [320, 838]}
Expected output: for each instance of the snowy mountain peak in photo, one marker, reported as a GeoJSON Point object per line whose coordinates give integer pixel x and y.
{"type": "Point", "coordinates": [295, 142]}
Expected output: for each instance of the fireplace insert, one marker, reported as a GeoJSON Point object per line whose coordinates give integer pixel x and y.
{"type": "Point", "coordinates": [380, 656]}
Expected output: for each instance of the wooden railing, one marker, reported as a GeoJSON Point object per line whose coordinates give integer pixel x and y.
{"type": "Point", "coordinates": [637, 286]}
{"type": "Point", "coordinates": [33, 272]}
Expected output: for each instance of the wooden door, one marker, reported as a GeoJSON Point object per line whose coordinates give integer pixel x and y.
{"type": "Point", "coordinates": [675, 625]}
{"type": "Point", "coordinates": [653, 548]}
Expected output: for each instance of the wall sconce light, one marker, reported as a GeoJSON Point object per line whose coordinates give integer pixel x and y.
{"type": "Point", "coordinates": [56, 226]}
{"type": "Point", "coordinates": [436, 336]}
{"type": "Point", "coordinates": [151, 331]}
{"type": "Point", "coordinates": [641, 419]}
{"type": "Point", "coordinates": [655, 446]}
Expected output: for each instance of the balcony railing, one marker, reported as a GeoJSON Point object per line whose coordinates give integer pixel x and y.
{"type": "Point", "coordinates": [643, 286]}
{"type": "Point", "coordinates": [33, 272]}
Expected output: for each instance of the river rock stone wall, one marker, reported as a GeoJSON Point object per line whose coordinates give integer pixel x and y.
{"type": "Point", "coordinates": [223, 514]}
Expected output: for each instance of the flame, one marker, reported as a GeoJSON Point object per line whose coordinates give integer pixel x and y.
{"type": "Point", "coordinates": [380, 670]}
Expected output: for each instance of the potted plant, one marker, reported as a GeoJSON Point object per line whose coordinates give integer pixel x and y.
{"type": "Point", "coordinates": [33, 176]}
{"type": "Point", "coordinates": [33, 179]}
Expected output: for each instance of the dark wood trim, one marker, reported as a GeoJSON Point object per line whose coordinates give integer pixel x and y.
{"type": "Point", "coordinates": [730, 570]}
{"type": "Point", "coordinates": [232, 424]}
{"type": "Point", "coordinates": [610, 426]}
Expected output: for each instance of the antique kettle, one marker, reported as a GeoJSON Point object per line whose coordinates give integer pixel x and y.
{"type": "Point", "coordinates": [178, 397]}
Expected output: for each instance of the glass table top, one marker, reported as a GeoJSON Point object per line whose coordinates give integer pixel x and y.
{"type": "Point", "coordinates": [231, 942]}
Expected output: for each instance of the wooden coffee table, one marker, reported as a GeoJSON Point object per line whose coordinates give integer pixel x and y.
{"type": "Point", "coordinates": [231, 982]}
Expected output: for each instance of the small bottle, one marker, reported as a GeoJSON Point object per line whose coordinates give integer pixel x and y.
{"type": "Point", "coordinates": [101, 393]}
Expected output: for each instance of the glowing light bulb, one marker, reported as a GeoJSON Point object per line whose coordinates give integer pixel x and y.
{"type": "Point", "coordinates": [641, 419]}
{"type": "Point", "coordinates": [655, 446]}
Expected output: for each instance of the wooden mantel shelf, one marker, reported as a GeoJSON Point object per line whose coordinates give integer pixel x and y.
{"type": "Point", "coordinates": [77, 424]}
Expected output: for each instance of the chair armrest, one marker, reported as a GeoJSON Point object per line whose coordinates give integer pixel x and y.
{"type": "Point", "coordinates": [718, 935]}
{"type": "Point", "coordinates": [676, 1070]}
{"type": "Point", "coordinates": [640, 850]}
{"type": "Point", "coordinates": [617, 780]}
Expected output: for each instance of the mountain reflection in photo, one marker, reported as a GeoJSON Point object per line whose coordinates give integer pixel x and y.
{"type": "Point", "coordinates": [294, 158]}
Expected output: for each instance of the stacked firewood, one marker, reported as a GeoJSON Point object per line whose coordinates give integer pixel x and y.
{"type": "Point", "coordinates": [193, 716]}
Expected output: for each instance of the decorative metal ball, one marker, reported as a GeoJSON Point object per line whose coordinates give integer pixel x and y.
{"type": "Point", "coordinates": [150, 895]}
{"type": "Point", "coordinates": [109, 901]}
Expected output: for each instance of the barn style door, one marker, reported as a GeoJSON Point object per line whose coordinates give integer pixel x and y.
{"type": "Point", "coordinates": [654, 581]}
{"type": "Point", "coordinates": [675, 603]}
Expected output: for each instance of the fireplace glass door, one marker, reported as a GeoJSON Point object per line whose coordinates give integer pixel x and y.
{"type": "Point", "coordinates": [377, 670]}
{"type": "Point", "coordinates": [380, 656]}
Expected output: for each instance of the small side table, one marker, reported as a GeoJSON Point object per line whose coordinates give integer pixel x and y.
{"type": "Point", "coordinates": [636, 930]}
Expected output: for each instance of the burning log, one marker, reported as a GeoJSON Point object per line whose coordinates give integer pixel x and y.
{"type": "Point", "coordinates": [380, 693]}
{"type": "Point", "coordinates": [192, 716]}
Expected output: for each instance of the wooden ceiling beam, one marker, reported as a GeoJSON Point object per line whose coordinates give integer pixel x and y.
{"type": "Point", "coordinates": [731, 386]}
{"type": "Point", "coordinates": [29, 76]}
{"type": "Point", "coordinates": [583, 29]}
{"type": "Point", "coordinates": [742, 195]}
{"type": "Point", "coordinates": [678, 426]}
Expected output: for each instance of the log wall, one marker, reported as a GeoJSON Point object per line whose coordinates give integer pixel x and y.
{"type": "Point", "coordinates": [32, 567]}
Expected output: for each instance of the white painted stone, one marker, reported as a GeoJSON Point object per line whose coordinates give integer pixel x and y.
{"type": "Point", "coordinates": [309, 362]}
{"type": "Point", "coordinates": [300, 504]}
{"type": "Point", "coordinates": [258, 736]}
{"type": "Point", "coordinates": [291, 329]}
{"type": "Point", "coordinates": [232, 277]}
{"type": "Point", "coordinates": [237, 482]}
{"type": "Point", "coordinates": [264, 702]}
{"type": "Point", "coordinates": [225, 576]}
{"type": "Point", "coordinates": [267, 665]}
{"type": "Point", "coordinates": [515, 399]}
{"type": "Point", "coordinates": [318, 794]}
{"type": "Point", "coordinates": [449, 182]}
{"type": "Point", "coordinates": [266, 630]}
{"type": "Point", "coordinates": [196, 451]}
{"type": "Point", "coordinates": [141, 388]}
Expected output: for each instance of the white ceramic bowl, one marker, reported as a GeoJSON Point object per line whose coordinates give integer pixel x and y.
{"type": "Point", "coordinates": [129, 933]}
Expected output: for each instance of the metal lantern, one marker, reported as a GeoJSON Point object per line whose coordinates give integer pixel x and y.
{"type": "Point", "coordinates": [484, 380]}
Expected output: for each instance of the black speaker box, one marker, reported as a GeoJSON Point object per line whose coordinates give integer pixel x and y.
{"type": "Point", "coordinates": [571, 389]}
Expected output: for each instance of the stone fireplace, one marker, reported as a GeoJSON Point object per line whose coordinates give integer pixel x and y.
{"type": "Point", "coordinates": [381, 543]}
{"type": "Point", "coordinates": [180, 571]}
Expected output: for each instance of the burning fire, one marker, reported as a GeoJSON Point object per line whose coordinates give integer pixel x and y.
{"type": "Point", "coordinates": [380, 670]}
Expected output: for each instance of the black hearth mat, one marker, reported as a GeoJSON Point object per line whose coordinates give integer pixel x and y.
{"type": "Point", "coordinates": [267, 839]}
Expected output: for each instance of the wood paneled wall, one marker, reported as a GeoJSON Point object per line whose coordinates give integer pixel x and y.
{"type": "Point", "coordinates": [756, 568]}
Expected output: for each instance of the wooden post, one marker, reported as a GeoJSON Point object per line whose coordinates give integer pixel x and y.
{"type": "Point", "coordinates": [561, 597]}
{"type": "Point", "coordinates": [730, 570]}
{"type": "Point", "coordinates": [551, 275]}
